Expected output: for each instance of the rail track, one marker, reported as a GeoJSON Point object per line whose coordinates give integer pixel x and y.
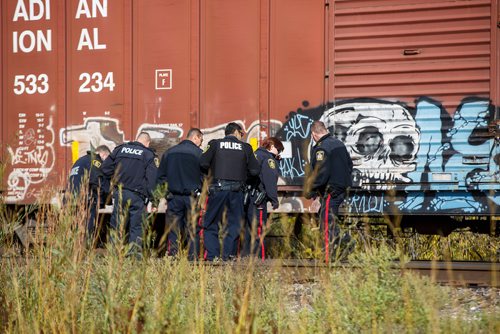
{"type": "Point", "coordinates": [456, 273]}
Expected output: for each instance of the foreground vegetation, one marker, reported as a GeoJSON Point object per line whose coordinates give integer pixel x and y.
{"type": "Point", "coordinates": [59, 285]}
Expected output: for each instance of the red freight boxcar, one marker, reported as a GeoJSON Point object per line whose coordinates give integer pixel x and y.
{"type": "Point", "coordinates": [80, 73]}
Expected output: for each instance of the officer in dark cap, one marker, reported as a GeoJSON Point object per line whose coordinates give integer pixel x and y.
{"type": "Point", "coordinates": [229, 162]}
{"type": "Point", "coordinates": [261, 189]}
{"type": "Point", "coordinates": [332, 175]}
{"type": "Point", "coordinates": [88, 169]}
{"type": "Point", "coordinates": [132, 167]}
{"type": "Point", "coordinates": [180, 172]}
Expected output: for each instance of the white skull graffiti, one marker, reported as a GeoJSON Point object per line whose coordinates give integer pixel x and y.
{"type": "Point", "coordinates": [382, 139]}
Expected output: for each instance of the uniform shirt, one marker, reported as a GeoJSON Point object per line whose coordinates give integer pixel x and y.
{"type": "Point", "coordinates": [180, 168]}
{"type": "Point", "coordinates": [230, 159]}
{"type": "Point", "coordinates": [78, 171]}
{"type": "Point", "coordinates": [334, 165]}
{"type": "Point", "coordinates": [133, 166]}
{"type": "Point", "coordinates": [268, 176]}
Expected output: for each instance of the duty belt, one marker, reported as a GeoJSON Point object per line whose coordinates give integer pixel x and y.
{"type": "Point", "coordinates": [225, 185]}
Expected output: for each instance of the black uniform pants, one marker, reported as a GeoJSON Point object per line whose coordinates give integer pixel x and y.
{"type": "Point", "coordinates": [181, 225]}
{"type": "Point", "coordinates": [328, 212]}
{"type": "Point", "coordinates": [93, 203]}
{"type": "Point", "coordinates": [221, 201]}
{"type": "Point", "coordinates": [127, 216]}
{"type": "Point", "coordinates": [256, 218]}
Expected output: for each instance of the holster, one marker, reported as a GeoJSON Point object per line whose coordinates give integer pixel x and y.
{"type": "Point", "coordinates": [261, 197]}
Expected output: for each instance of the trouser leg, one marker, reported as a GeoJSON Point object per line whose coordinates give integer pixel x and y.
{"type": "Point", "coordinates": [235, 213]}
{"type": "Point", "coordinates": [213, 215]}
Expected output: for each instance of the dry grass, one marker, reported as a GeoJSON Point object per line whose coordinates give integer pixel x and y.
{"type": "Point", "coordinates": [59, 285]}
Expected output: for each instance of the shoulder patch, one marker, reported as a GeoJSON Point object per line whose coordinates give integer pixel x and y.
{"type": "Point", "coordinates": [271, 163]}
{"type": "Point", "coordinates": [96, 163]}
{"type": "Point", "coordinates": [157, 162]}
{"type": "Point", "coordinates": [320, 155]}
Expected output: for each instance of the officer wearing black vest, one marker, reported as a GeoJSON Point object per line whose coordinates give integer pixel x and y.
{"type": "Point", "coordinates": [332, 175]}
{"type": "Point", "coordinates": [89, 166]}
{"type": "Point", "coordinates": [133, 168]}
{"type": "Point", "coordinates": [229, 162]}
{"type": "Point", "coordinates": [180, 172]}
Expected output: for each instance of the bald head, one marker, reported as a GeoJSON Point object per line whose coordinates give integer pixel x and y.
{"type": "Point", "coordinates": [144, 138]}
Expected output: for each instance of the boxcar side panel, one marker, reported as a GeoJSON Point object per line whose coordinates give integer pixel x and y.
{"type": "Point", "coordinates": [229, 65]}
{"type": "Point", "coordinates": [99, 60]}
{"type": "Point", "coordinates": [162, 70]}
{"type": "Point", "coordinates": [33, 103]}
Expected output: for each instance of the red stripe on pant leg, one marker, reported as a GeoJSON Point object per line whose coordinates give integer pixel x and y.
{"type": "Point", "coordinates": [327, 239]}
{"type": "Point", "coordinates": [261, 240]}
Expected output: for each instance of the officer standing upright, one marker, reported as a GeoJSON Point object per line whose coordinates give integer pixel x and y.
{"type": "Point", "coordinates": [332, 175]}
{"type": "Point", "coordinates": [262, 189]}
{"type": "Point", "coordinates": [132, 167]}
{"type": "Point", "coordinates": [229, 162]}
{"type": "Point", "coordinates": [89, 166]}
{"type": "Point", "coordinates": [180, 171]}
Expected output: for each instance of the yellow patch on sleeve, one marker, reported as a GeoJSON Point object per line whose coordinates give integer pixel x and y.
{"type": "Point", "coordinates": [320, 155]}
{"type": "Point", "coordinates": [96, 163]}
{"type": "Point", "coordinates": [206, 148]}
{"type": "Point", "coordinates": [271, 163]}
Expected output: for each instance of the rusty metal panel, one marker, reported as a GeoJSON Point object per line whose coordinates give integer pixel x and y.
{"type": "Point", "coordinates": [163, 70]}
{"type": "Point", "coordinates": [229, 63]}
{"type": "Point", "coordinates": [98, 70]}
{"type": "Point", "coordinates": [33, 101]}
{"type": "Point", "coordinates": [297, 66]}
{"type": "Point", "coordinates": [408, 49]}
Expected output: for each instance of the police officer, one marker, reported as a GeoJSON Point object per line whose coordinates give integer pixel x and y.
{"type": "Point", "coordinates": [229, 162]}
{"type": "Point", "coordinates": [132, 167]}
{"type": "Point", "coordinates": [180, 171]}
{"type": "Point", "coordinates": [332, 175]}
{"type": "Point", "coordinates": [89, 166]}
{"type": "Point", "coordinates": [261, 189]}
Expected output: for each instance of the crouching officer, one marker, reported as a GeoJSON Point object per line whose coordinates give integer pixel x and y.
{"type": "Point", "coordinates": [332, 175]}
{"type": "Point", "coordinates": [98, 186]}
{"type": "Point", "coordinates": [260, 190]}
{"type": "Point", "coordinates": [180, 171]}
{"type": "Point", "coordinates": [229, 162]}
{"type": "Point", "coordinates": [132, 167]}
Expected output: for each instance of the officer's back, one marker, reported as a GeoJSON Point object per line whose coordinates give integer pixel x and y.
{"type": "Point", "coordinates": [180, 166]}
{"type": "Point", "coordinates": [132, 165]}
{"type": "Point", "coordinates": [230, 159]}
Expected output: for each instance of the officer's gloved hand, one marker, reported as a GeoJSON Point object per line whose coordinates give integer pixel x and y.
{"type": "Point", "coordinates": [275, 205]}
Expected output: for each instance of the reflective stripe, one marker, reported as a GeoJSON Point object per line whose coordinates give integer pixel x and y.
{"type": "Point", "coordinates": [202, 241]}
{"type": "Point", "coordinates": [261, 240]}
{"type": "Point", "coordinates": [327, 239]}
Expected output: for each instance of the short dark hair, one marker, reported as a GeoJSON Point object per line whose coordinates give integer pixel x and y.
{"type": "Point", "coordinates": [272, 141]}
{"type": "Point", "coordinates": [144, 135]}
{"type": "Point", "coordinates": [231, 128]}
{"type": "Point", "coordinates": [193, 132]}
{"type": "Point", "coordinates": [319, 127]}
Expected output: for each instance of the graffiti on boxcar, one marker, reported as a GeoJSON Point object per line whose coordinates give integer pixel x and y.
{"type": "Point", "coordinates": [396, 146]}
{"type": "Point", "coordinates": [95, 131]}
{"type": "Point", "coordinates": [34, 157]}
{"type": "Point", "coordinates": [359, 203]}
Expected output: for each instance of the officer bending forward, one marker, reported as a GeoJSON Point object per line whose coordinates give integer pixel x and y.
{"type": "Point", "coordinates": [229, 161]}
{"type": "Point", "coordinates": [133, 168]}
{"type": "Point", "coordinates": [333, 165]}
{"type": "Point", "coordinates": [180, 170]}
